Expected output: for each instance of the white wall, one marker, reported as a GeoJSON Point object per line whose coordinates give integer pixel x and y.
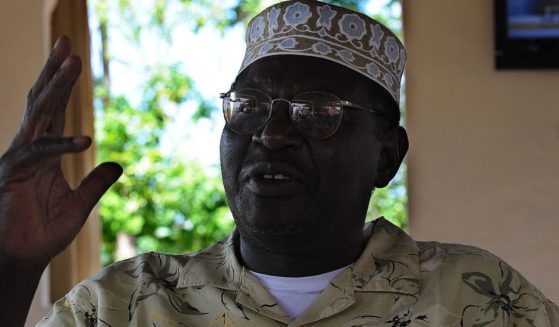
{"type": "Point", "coordinates": [484, 161]}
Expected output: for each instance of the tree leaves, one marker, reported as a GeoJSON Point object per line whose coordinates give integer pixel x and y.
{"type": "Point", "coordinates": [155, 191]}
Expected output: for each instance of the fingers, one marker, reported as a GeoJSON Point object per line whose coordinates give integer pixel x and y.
{"type": "Point", "coordinates": [49, 109]}
{"type": "Point", "coordinates": [61, 51]}
{"type": "Point", "coordinates": [55, 95]}
{"type": "Point", "coordinates": [49, 96]}
{"type": "Point", "coordinates": [56, 126]}
{"type": "Point", "coordinates": [44, 110]}
{"type": "Point", "coordinates": [96, 184]}
{"type": "Point", "coordinates": [45, 148]}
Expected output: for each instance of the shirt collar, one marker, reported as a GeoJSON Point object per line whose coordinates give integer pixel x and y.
{"type": "Point", "coordinates": [389, 263]}
{"type": "Point", "coordinates": [216, 266]}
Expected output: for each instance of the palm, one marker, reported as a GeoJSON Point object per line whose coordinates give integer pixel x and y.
{"type": "Point", "coordinates": [39, 213]}
{"type": "Point", "coordinates": [34, 196]}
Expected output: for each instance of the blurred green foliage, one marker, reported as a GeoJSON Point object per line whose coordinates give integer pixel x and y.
{"type": "Point", "coordinates": [391, 201]}
{"type": "Point", "coordinates": [173, 204]}
{"type": "Point", "coordinates": [168, 204]}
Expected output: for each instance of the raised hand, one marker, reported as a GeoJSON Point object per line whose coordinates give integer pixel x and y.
{"type": "Point", "coordinates": [39, 213]}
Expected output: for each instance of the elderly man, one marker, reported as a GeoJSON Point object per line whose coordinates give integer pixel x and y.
{"type": "Point", "coordinates": [311, 130]}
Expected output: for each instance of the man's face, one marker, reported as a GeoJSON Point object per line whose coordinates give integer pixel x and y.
{"type": "Point", "coordinates": [279, 183]}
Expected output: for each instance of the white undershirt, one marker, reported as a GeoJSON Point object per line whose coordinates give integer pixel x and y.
{"type": "Point", "coordinates": [295, 294]}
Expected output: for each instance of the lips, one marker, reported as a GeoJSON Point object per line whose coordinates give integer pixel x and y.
{"type": "Point", "coordinates": [273, 179]}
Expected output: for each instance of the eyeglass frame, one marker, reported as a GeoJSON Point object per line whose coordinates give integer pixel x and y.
{"type": "Point", "coordinates": [343, 103]}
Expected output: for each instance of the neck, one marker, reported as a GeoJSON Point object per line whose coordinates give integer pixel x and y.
{"type": "Point", "coordinates": [299, 256]}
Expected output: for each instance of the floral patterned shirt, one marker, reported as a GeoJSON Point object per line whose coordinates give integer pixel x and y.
{"type": "Point", "coordinates": [396, 282]}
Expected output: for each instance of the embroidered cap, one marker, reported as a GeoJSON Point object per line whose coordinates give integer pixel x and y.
{"type": "Point", "coordinates": [316, 29]}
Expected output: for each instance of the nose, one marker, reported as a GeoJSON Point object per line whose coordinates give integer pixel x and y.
{"type": "Point", "coordinates": [278, 131]}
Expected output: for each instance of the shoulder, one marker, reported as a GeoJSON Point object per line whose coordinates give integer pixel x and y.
{"type": "Point", "coordinates": [118, 280]}
{"type": "Point", "coordinates": [482, 285]}
{"type": "Point", "coordinates": [470, 266]}
{"type": "Point", "coordinates": [109, 292]}
{"type": "Point", "coordinates": [435, 255]}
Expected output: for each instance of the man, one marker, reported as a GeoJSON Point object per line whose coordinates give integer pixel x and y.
{"type": "Point", "coordinates": [311, 129]}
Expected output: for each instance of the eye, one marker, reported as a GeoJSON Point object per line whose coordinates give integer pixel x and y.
{"type": "Point", "coordinates": [301, 110]}
{"type": "Point", "coordinates": [330, 110]}
{"type": "Point", "coordinates": [246, 106]}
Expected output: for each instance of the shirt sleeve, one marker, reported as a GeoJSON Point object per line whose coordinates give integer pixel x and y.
{"type": "Point", "coordinates": [105, 298]}
{"type": "Point", "coordinates": [72, 310]}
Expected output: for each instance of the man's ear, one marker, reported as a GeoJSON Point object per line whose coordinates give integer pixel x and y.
{"type": "Point", "coordinates": [394, 148]}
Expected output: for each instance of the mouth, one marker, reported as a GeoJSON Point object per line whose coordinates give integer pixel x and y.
{"type": "Point", "coordinates": [277, 177]}
{"type": "Point", "coordinates": [272, 179]}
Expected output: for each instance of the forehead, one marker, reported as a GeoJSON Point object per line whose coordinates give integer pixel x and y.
{"type": "Point", "coordinates": [286, 74]}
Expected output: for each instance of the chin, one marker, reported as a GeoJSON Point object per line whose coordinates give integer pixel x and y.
{"type": "Point", "coordinates": [271, 216]}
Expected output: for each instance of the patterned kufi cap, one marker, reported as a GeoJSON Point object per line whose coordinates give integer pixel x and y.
{"type": "Point", "coordinates": [316, 29]}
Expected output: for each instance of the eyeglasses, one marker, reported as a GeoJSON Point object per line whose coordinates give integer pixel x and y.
{"type": "Point", "coordinates": [316, 115]}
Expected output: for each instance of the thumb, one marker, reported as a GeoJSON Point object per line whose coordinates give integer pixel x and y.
{"type": "Point", "coordinates": [94, 185]}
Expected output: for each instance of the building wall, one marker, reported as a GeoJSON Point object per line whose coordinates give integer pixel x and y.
{"type": "Point", "coordinates": [23, 52]}
{"type": "Point", "coordinates": [484, 160]}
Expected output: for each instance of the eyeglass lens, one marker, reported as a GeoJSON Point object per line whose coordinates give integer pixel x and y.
{"type": "Point", "coordinates": [315, 115]}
